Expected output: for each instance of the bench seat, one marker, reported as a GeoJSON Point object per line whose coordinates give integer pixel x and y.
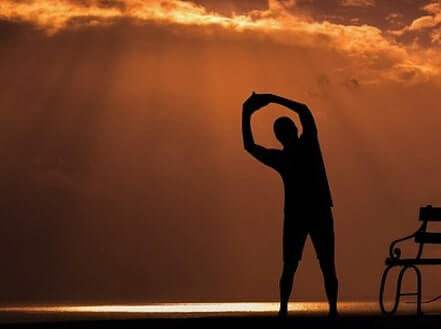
{"type": "Point", "coordinates": [413, 261]}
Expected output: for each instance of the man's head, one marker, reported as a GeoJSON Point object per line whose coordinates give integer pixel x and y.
{"type": "Point", "coordinates": [285, 131]}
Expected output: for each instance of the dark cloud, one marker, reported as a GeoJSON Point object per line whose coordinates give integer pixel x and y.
{"type": "Point", "coordinates": [351, 84]}
{"type": "Point", "coordinates": [228, 7]}
{"type": "Point", "coordinates": [377, 15]}
{"type": "Point", "coordinates": [120, 4]}
{"type": "Point", "coordinates": [325, 87]}
{"type": "Point", "coordinates": [357, 3]}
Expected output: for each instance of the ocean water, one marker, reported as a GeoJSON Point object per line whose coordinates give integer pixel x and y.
{"type": "Point", "coordinates": [47, 313]}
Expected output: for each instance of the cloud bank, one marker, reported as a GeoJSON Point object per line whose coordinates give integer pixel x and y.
{"type": "Point", "coordinates": [377, 56]}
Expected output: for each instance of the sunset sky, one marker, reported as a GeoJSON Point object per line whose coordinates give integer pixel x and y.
{"type": "Point", "coordinates": [123, 174]}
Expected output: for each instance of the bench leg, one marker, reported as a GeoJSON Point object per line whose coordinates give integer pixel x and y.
{"type": "Point", "coordinates": [419, 289]}
{"type": "Point", "coordinates": [398, 293]}
{"type": "Point", "coordinates": [383, 283]}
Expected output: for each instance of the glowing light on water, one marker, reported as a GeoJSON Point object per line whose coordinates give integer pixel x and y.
{"type": "Point", "coordinates": [22, 314]}
{"type": "Point", "coordinates": [192, 308]}
{"type": "Point", "coordinates": [167, 308]}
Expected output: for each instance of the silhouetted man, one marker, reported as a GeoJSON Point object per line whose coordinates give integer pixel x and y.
{"type": "Point", "coordinates": [307, 196]}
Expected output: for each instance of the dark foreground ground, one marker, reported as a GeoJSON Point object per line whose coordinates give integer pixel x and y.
{"type": "Point", "coordinates": [246, 321]}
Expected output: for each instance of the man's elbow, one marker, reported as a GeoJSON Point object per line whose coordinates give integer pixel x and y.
{"type": "Point", "coordinates": [248, 146]}
{"type": "Point", "coordinates": [305, 108]}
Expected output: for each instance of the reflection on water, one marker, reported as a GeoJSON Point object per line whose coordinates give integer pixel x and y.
{"type": "Point", "coordinates": [195, 308]}
{"type": "Point", "coordinates": [75, 312]}
{"type": "Point", "coordinates": [171, 308]}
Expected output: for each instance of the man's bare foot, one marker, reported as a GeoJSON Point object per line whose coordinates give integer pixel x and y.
{"type": "Point", "coordinates": [283, 314]}
{"type": "Point", "coordinates": [333, 314]}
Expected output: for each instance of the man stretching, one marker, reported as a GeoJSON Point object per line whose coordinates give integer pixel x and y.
{"type": "Point", "coordinates": [307, 195]}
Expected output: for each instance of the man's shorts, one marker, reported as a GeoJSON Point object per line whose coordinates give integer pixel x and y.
{"type": "Point", "coordinates": [319, 223]}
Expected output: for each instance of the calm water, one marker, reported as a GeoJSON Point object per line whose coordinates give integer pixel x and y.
{"type": "Point", "coordinates": [76, 312]}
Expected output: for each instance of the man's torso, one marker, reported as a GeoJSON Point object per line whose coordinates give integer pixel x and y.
{"type": "Point", "coordinates": [304, 175]}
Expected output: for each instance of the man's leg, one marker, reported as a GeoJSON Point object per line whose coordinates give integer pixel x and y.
{"type": "Point", "coordinates": [324, 243]}
{"type": "Point", "coordinates": [331, 284]}
{"type": "Point", "coordinates": [294, 237]}
{"type": "Point", "coordinates": [286, 281]}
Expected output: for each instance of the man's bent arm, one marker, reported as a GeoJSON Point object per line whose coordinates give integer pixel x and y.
{"type": "Point", "coordinates": [259, 152]}
{"type": "Point", "coordinates": [302, 110]}
{"type": "Point", "coordinates": [247, 135]}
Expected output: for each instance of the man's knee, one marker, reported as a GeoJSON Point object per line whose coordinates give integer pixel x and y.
{"type": "Point", "coordinates": [327, 266]}
{"type": "Point", "coordinates": [290, 267]}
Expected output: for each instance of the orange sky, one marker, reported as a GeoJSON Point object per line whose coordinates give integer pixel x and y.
{"type": "Point", "coordinates": [123, 159]}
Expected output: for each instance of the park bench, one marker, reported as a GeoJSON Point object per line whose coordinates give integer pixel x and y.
{"type": "Point", "coordinates": [421, 237]}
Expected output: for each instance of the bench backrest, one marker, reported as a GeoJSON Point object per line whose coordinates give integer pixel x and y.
{"type": "Point", "coordinates": [428, 237]}
{"type": "Point", "coordinates": [430, 214]}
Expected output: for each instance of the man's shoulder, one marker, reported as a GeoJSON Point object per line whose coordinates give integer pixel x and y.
{"type": "Point", "coordinates": [275, 153]}
{"type": "Point", "coordinates": [274, 157]}
{"type": "Point", "coordinates": [309, 140]}
{"type": "Point", "coordinates": [308, 137]}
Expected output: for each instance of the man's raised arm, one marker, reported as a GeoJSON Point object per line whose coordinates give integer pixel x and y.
{"type": "Point", "coordinates": [259, 152]}
{"type": "Point", "coordinates": [247, 135]}
{"type": "Point", "coordinates": [305, 115]}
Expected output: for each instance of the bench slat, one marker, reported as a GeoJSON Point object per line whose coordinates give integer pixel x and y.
{"type": "Point", "coordinates": [413, 261]}
{"type": "Point", "coordinates": [431, 214]}
{"type": "Point", "coordinates": [425, 237]}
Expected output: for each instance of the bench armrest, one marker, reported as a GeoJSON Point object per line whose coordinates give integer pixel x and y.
{"type": "Point", "coordinates": [395, 253]}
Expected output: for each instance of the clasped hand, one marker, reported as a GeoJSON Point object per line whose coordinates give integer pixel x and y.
{"type": "Point", "coordinates": [256, 102]}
